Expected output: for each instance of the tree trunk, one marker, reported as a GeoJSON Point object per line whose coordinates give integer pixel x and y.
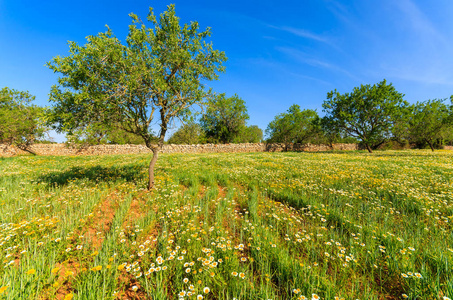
{"type": "Point", "coordinates": [430, 144]}
{"type": "Point", "coordinates": [368, 148]}
{"type": "Point", "coordinates": [151, 168]}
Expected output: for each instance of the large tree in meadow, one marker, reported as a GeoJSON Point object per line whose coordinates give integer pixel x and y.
{"type": "Point", "coordinates": [21, 122]}
{"type": "Point", "coordinates": [157, 75]}
{"type": "Point", "coordinates": [367, 113]}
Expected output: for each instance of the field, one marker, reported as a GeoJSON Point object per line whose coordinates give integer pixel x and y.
{"type": "Point", "coordinates": [348, 225]}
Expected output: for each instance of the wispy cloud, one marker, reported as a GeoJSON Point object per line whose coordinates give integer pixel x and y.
{"type": "Point", "coordinates": [419, 21]}
{"type": "Point", "coordinates": [305, 34]}
{"type": "Point", "coordinates": [308, 59]}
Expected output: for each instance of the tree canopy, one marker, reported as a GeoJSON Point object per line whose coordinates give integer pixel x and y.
{"type": "Point", "coordinates": [157, 76]}
{"type": "Point", "coordinates": [224, 119]}
{"type": "Point", "coordinates": [430, 121]}
{"type": "Point", "coordinates": [293, 126]}
{"type": "Point", "coordinates": [189, 134]}
{"type": "Point", "coordinates": [367, 113]}
{"type": "Point", "coordinates": [21, 122]}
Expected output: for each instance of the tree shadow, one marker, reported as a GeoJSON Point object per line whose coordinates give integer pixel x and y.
{"type": "Point", "coordinates": [95, 174]}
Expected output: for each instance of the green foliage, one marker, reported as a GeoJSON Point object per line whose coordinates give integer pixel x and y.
{"type": "Point", "coordinates": [188, 134]}
{"type": "Point", "coordinates": [430, 121]}
{"type": "Point", "coordinates": [294, 126]}
{"type": "Point", "coordinates": [96, 134]}
{"type": "Point", "coordinates": [154, 77]}
{"type": "Point", "coordinates": [368, 113]}
{"type": "Point", "coordinates": [224, 119]}
{"type": "Point", "coordinates": [21, 122]}
{"type": "Point", "coordinates": [250, 134]}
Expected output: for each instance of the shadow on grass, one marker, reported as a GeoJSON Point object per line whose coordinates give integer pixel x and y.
{"type": "Point", "coordinates": [95, 174]}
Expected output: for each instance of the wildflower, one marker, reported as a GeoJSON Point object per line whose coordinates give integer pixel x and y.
{"type": "Point", "coordinates": [67, 250]}
{"type": "Point", "coordinates": [296, 291]}
{"type": "Point", "coordinates": [404, 275]}
{"type": "Point", "coordinates": [206, 290]}
{"type": "Point", "coordinates": [79, 247]}
{"type": "Point", "coordinates": [314, 297]}
{"type": "Point", "coordinates": [242, 275]}
{"type": "Point", "coordinates": [185, 280]}
{"type": "Point", "coordinates": [31, 272]}
{"type": "Point", "coordinates": [188, 270]}
{"type": "Point", "coordinates": [135, 288]}
{"type": "Point", "coordinates": [234, 273]}
{"type": "Point", "coordinates": [405, 296]}
{"type": "Point", "coordinates": [182, 294]}
{"type": "Point", "coordinates": [97, 268]}
{"type": "Point", "coordinates": [55, 270]}
{"type": "Point", "coordinates": [68, 296]}
{"type": "Point", "coordinates": [418, 275]}
{"type": "Point", "coordinates": [199, 297]}
{"type": "Point", "coordinates": [120, 267]}
{"type": "Point", "coordinates": [3, 289]}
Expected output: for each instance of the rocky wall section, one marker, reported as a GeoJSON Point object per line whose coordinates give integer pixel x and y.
{"type": "Point", "coordinates": [64, 149]}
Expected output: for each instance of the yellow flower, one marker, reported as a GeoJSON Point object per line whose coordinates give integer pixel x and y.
{"type": "Point", "coordinates": [55, 270]}
{"type": "Point", "coordinates": [97, 268]}
{"type": "Point", "coordinates": [120, 267]}
{"type": "Point", "coordinates": [68, 296]}
{"type": "Point", "coordinates": [31, 272]}
{"type": "Point", "coordinates": [3, 289]}
{"type": "Point", "coordinates": [206, 290]}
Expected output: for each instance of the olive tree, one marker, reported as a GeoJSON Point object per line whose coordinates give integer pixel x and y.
{"type": "Point", "coordinates": [156, 76]}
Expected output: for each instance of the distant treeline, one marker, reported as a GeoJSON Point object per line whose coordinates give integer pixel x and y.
{"type": "Point", "coordinates": [372, 116]}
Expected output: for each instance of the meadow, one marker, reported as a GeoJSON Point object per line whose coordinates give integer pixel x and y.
{"type": "Point", "coordinates": [340, 225]}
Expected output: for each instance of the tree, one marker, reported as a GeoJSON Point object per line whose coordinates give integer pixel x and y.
{"type": "Point", "coordinates": [21, 122]}
{"type": "Point", "coordinates": [429, 121]}
{"type": "Point", "coordinates": [294, 126]}
{"type": "Point", "coordinates": [154, 78]}
{"type": "Point", "coordinates": [188, 134]}
{"type": "Point", "coordinates": [224, 119]}
{"type": "Point", "coordinates": [368, 113]}
{"type": "Point", "coordinates": [250, 134]}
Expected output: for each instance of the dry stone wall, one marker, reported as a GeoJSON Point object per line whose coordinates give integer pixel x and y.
{"type": "Point", "coordinates": [64, 149]}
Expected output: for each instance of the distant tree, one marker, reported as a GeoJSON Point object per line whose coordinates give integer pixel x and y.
{"type": "Point", "coordinates": [293, 126]}
{"type": "Point", "coordinates": [155, 77]}
{"type": "Point", "coordinates": [224, 119]}
{"type": "Point", "coordinates": [250, 134]}
{"type": "Point", "coordinates": [368, 113]}
{"type": "Point", "coordinates": [98, 133]}
{"type": "Point", "coordinates": [188, 134]}
{"type": "Point", "coordinates": [21, 122]}
{"type": "Point", "coordinates": [430, 121]}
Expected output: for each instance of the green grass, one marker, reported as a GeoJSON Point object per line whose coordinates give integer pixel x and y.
{"type": "Point", "coordinates": [350, 225]}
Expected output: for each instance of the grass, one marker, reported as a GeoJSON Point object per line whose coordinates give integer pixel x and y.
{"type": "Point", "coordinates": [341, 225]}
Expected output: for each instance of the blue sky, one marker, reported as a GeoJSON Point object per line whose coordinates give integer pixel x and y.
{"type": "Point", "coordinates": [279, 52]}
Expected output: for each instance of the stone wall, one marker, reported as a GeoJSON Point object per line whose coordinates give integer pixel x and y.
{"type": "Point", "coordinates": [63, 149]}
